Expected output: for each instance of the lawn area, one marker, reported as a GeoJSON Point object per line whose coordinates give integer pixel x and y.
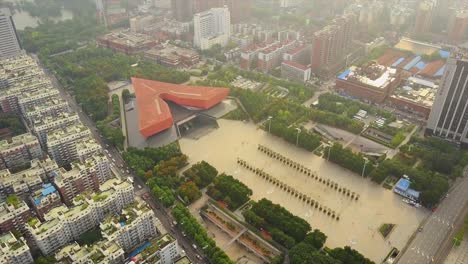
{"type": "Point", "coordinates": [385, 229]}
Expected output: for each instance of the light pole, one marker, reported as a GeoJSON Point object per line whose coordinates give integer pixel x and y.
{"type": "Point", "coordinates": [269, 123]}
{"type": "Point", "coordinates": [329, 149]}
{"type": "Point", "coordinates": [364, 167]}
{"type": "Point", "coordinates": [297, 138]}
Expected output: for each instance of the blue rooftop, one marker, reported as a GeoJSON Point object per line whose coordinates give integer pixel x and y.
{"type": "Point", "coordinates": [403, 184]}
{"type": "Point", "coordinates": [444, 54]}
{"type": "Point", "coordinates": [396, 63]}
{"type": "Point", "coordinates": [413, 193]}
{"type": "Point", "coordinates": [420, 65]}
{"type": "Point", "coordinates": [47, 189]}
{"type": "Point", "coordinates": [412, 63]}
{"type": "Point", "coordinates": [122, 223]}
{"type": "Point", "coordinates": [138, 250]}
{"type": "Point", "coordinates": [345, 74]}
{"type": "Point", "coordinates": [440, 72]}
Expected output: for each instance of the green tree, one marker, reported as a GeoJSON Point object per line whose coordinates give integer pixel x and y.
{"type": "Point", "coordinates": [189, 192]}
{"type": "Point", "coordinates": [316, 238]}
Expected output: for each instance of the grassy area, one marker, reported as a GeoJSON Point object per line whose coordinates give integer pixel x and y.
{"type": "Point", "coordinates": [385, 229]}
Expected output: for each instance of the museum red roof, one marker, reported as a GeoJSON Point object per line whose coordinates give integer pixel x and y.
{"type": "Point", "coordinates": [154, 114]}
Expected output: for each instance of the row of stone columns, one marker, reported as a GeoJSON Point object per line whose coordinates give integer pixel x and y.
{"type": "Point", "coordinates": [283, 186]}
{"type": "Point", "coordinates": [308, 172]}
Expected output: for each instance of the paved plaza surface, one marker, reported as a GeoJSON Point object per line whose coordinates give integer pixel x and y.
{"type": "Point", "coordinates": [459, 255]}
{"type": "Point", "coordinates": [360, 220]}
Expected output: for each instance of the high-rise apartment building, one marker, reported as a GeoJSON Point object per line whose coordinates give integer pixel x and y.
{"type": "Point", "coordinates": [449, 114]}
{"type": "Point", "coordinates": [212, 27]}
{"type": "Point", "coordinates": [61, 144]}
{"type": "Point", "coordinates": [62, 225]}
{"type": "Point", "coordinates": [13, 216]}
{"type": "Point", "coordinates": [182, 10]}
{"type": "Point", "coordinates": [330, 44]}
{"type": "Point", "coordinates": [14, 250]}
{"type": "Point", "coordinates": [424, 16]}
{"type": "Point", "coordinates": [41, 127]}
{"type": "Point", "coordinates": [9, 41]}
{"type": "Point", "coordinates": [139, 225]}
{"type": "Point", "coordinates": [102, 251]}
{"type": "Point", "coordinates": [19, 151]}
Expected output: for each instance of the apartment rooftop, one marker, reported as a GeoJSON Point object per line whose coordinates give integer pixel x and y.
{"type": "Point", "coordinates": [42, 194]}
{"type": "Point", "coordinates": [49, 104]}
{"type": "Point", "coordinates": [97, 252]}
{"type": "Point", "coordinates": [8, 210]}
{"type": "Point", "coordinates": [22, 180]}
{"type": "Point", "coordinates": [46, 121]}
{"type": "Point", "coordinates": [129, 214]}
{"type": "Point", "coordinates": [68, 131]}
{"type": "Point", "coordinates": [374, 75]}
{"type": "Point", "coordinates": [16, 141]}
{"type": "Point", "coordinates": [8, 242]}
{"type": "Point", "coordinates": [153, 246]}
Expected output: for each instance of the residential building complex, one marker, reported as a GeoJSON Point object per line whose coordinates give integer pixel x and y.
{"type": "Point", "coordinates": [13, 216]}
{"type": "Point", "coordinates": [61, 144]}
{"type": "Point", "coordinates": [162, 250]}
{"type": "Point", "coordinates": [14, 250]}
{"type": "Point", "coordinates": [330, 44]}
{"type": "Point", "coordinates": [9, 41]}
{"type": "Point", "coordinates": [63, 225]}
{"type": "Point", "coordinates": [212, 27]}
{"type": "Point", "coordinates": [44, 199]}
{"type": "Point", "coordinates": [449, 115]}
{"type": "Point", "coordinates": [294, 71]}
{"type": "Point", "coordinates": [136, 224]}
{"type": "Point", "coordinates": [41, 127]}
{"type": "Point", "coordinates": [101, 252]}
{"type": "Point", "coordinates": [19, 151]}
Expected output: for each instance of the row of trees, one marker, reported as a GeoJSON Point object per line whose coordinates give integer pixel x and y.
{"type": "Point", "coordinates": [305, 139]}
{"type": "Point", "coordinates": [431, 185]}
{"type": "Point", "coordinates": [293, 232]}
{"type": "Point", "coordinates": [285, 228]}
{"type": "Point", "coordinates": [346, 158]}
{"type": "Point", "coordinates": [201, 173]}
{"type": "Point", "coordinates": [229, 190]}
{"type": "Point", "coordinates": [196, 177]}
{"type": "Point", "coordinates": [437, 155]}
{"type": "Point", "coordinates": [348, 107]}
{"type": "Point", "coordinates": [198, 234]}
{"type": "Point", "coordinates": [112, 131]}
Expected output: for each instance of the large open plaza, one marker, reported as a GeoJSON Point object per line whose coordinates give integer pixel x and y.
{"type": "Point", "coordinates": [359, 219]}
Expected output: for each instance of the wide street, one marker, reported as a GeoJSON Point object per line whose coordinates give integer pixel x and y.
{"type": "Point", "coordinates": [427, 243]}
{"type": "Point", "coordinates": [119, 164]}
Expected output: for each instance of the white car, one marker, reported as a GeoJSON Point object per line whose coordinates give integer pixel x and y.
{"type": "Point", "coordinates": [139, 187]}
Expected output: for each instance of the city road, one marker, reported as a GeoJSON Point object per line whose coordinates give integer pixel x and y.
{"type": "Point", "coordinates": [425, 246]}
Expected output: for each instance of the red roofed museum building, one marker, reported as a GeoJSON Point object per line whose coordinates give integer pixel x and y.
{"type": "Point", "coordinates": [154, 114]}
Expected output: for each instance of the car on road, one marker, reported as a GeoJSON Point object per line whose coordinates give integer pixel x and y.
{"type": "Point", "coordinates": [194, 246]}
{"type": "Point", "coordinates": [139, 187]}
{"type": "Point", "coordinates": [420, 229]}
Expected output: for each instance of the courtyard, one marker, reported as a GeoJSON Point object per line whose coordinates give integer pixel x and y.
{"type": "Point", "coordinates": [359, 220]}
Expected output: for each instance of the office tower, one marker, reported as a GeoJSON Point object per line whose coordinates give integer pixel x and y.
{"type": "Point", "coordinates": [449, 114]}
{"type": "Point", "coordinates": [212, 27]}
{"type": "Point", "coordinates": [182, 10]}
{"type": "Point", "coordinates": [9, 41]}
{"type": "Point", "coordinates": [424, 15]}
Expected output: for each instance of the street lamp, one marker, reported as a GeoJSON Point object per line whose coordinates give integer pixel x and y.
{"type": "Point", "coordinates": [297, 138]}
{"type": "Point", "coordinates": [364, 167]}
{"type": "Point", "coordinates": [329, 149]}
{"type": "Point", "coordinates": [269, 123]}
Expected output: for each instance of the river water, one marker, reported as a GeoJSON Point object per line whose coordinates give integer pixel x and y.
{"type": "Point", "coordinates": [22, 19]}
{"type": "Point", "coordinates": [360, 220]}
